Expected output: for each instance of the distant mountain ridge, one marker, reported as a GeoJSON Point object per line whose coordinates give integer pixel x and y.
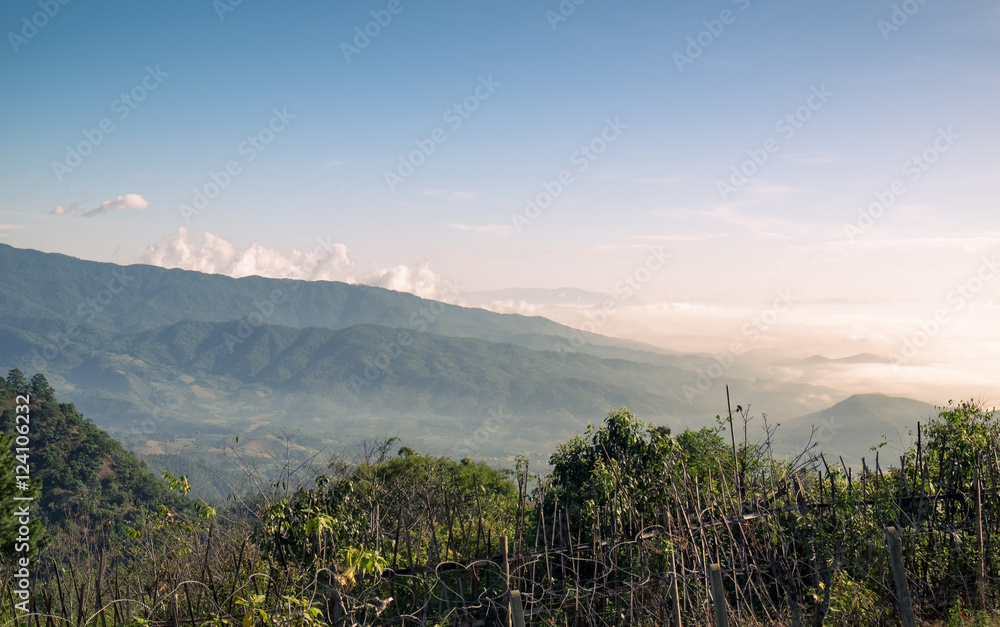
{"type": "Point", "coordinates": [48, 293]}
{"type": "Point", "coordinates": [851, 427]}
{"type": "Point", "coordinates": [194, 359]}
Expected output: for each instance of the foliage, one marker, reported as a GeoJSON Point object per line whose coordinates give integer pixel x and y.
{"type": "Point", "coordinates": [391, 536]}
{"type": "Point", "coordinates": [959, 439]}
{"type": "Point", "coordinates": [85, 479]}
{"type": "Point", "coordinates": [624, 460]}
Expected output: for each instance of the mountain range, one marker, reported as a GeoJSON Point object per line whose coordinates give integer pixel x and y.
{"type": "Point", "coordinates": [173, 361]}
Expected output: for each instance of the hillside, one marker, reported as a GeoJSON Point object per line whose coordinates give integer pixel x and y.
{"type": "Point", "coordinates": [851, 427]}
{"type": "Point", "coordinates": [436, 391]}
{"type": "Point", "coordinates": [85, 477]}
{"type": "Point", "coordinates": [45, 293]}
{"type": "Point", "coordinates": [178, 362]}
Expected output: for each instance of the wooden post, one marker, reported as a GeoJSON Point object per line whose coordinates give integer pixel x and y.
{"type": "Point", "coordinates": [736, 459]}
{"type": "Point", "coordinates": [899, 574]}
{"type": "Point", "coordinates": [673, 585]}
{"type": "Point", "coordinates": [506, 580]}
{"type": "Point", "coordinates": [719, 596]}
{"type": "Point", "coordinates": [174, 611]}
{"type": "Point", "coordinates": [517, 613]}
{"type": "Point", "coordinates": [981, 580]}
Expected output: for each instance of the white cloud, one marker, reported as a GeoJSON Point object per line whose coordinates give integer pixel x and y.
{"type": "Point", "coordinates": [205, 252]}
{"type": "Point", "coordinates": [128, 202]}
{"type": "Point", "coordinates": [417, 279]}
{"type": "Point", "coordinates": [328, 261]}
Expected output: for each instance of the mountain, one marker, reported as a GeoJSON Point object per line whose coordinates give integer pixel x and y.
{"type": "Point", "coordinates": [859, 358]}
{"type": "Point", "coordinates": [851, 427]}
{"type": "Point", "coordinates": [436, 390]}
{"type": "Point", "coordinates": [56, 296]}
{"type": "Point", "coordinates": [177, 362]}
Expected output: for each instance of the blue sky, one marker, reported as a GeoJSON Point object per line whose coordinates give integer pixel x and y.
{"type": "Point", "coordinates": [890, 93]}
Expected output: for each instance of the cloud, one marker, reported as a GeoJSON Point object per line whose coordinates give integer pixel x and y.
{"type": "Point", "coordinates": [205, 252]}
{"type": "Point", "coordinates": [417, 279]}
{"type": "Point", "coordinates": [327, 261]}
{"type": "Point", "coordinates": [128, 202]}
{"type": "Point", "coordinates": [499, 229]}
{"type": "Point", "coordinates": [5, 228]}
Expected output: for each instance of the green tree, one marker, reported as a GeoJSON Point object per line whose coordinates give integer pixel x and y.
{"type": "Point", "coordinates": [41, 389]}
{"type": "Point", "coordinates": [12, 541]}
{"type": "Point", "coordinates": [959, 439]}
{"type": "Point", "coordinates": [705, 451]}
{"type": "Point", "coordinates": [16, 381]}
{"type": "Point", "coordinates": [622, 464]}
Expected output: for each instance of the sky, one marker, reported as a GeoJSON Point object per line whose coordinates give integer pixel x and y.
{"type": "Point", "coordinates": [822, 171]}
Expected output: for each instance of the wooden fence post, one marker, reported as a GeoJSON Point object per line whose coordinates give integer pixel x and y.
{"type": "Point", "coordinates": [899, 574]}
{"type": "Point", "coordinates": [517, 614]}
{"type": "Point", "coordinates": [676, 602]}
{"type": "Point", "coordinates": [506, 581]}
{"type": "Point", "coordinates": [719, 596]}
{"type": "Point", "coordinates": [175, 611]}
{"type": "Point", "coordinates": [981, 579]}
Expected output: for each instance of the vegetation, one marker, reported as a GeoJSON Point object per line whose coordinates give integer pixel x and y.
{"type": "Point", "coordinates": [620, 532]}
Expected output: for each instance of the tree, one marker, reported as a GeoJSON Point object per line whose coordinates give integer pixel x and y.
{"type": "Point", "coordinates": [622, 464]}
{"type": "Point", "coordinates": [705, 451]}
{"type": "Point", "coordinates": [959, 438]}
{"type": "Point", "coordinates": [16, 381]}
{"type": "Point", "coordinates": [11, 539]}
{"type": "Point", "coordinates": [41, 389]}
